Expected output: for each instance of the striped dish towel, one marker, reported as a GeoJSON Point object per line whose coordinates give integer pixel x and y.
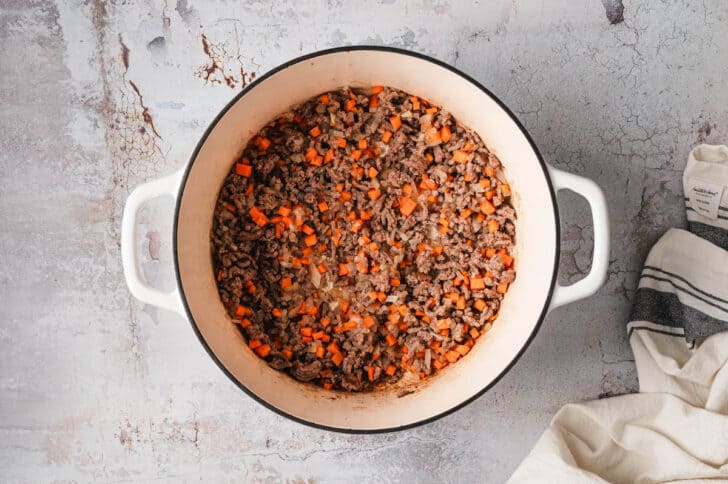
{"type": "Point", "coordinates": [676, 428]}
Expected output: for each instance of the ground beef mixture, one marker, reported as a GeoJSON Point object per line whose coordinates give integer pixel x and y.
{"type": "Point", "coordinates": [363, 235]}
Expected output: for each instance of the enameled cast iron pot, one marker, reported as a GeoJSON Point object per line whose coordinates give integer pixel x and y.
{"type": "Point", "coordinates": [533, 294]}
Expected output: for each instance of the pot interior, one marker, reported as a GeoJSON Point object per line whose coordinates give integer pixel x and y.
{"type": "Point", "coordinates": [535, 251]}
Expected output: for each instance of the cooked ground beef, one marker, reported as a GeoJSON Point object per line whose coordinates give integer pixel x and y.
{"type": "Point", "coordinates": [362, 235]}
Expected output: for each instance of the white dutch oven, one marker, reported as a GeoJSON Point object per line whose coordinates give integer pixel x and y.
{"type": "Point", "coordinates": [533, 294]}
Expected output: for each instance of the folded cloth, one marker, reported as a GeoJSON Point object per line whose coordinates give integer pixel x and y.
{"type": "Point", "coordinates": [676, 428]}
{"type": "Point", "coordinates": [705, 182]}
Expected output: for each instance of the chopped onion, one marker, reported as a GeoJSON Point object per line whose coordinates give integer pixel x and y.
{"type": "Point", "coordinates": [315, 276]}
{"type": "Point", "coordinates": [392, 298]}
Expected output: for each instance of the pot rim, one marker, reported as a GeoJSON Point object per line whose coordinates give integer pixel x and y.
{"type": "Point", "coordinates": [252, 86]}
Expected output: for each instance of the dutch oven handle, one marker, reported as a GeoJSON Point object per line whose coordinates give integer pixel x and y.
{"type": "Point", "coordinates": [600, 256]}
{"type": "Point", "coordinates": [138, 287]}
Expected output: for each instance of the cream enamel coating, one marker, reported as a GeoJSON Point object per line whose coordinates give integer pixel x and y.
{"type": "Point", "coordinates": [536, 244]}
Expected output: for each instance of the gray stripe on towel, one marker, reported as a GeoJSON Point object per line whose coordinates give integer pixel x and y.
{"type": "Point", "coordinates": [666, 309]}
{"type": "Point", "coordinates": [714, 235]}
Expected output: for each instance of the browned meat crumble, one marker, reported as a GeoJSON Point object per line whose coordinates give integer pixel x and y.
{"type": "Point", "coordinates": [363, 235]}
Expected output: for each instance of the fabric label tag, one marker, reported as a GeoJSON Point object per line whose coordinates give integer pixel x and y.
{"type": "Point", "coordinates": [705, 197]}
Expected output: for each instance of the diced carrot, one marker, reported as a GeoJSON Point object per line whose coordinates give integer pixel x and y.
{"type": "Point", "coordinates": [407, 206]}
{"type": "Point", "coordinates": [243, 170]}
{"type": "Point", "coordinates": [356, 154]}
{"type": "Point", "coordinates": [242, 311]}
{"type": "Point", "coordinates": [501, 288]}
{"type": "Point", "coordinates": [386, 136]}
{"type": "Point", "coordinates": [445, 134]}
{"type": "Point", "coordinates": [407, 189]}
{"type": "Point", "coordinates": [489, 253]}
{"type": "Point", "coordinates": [431, 110]}
{"type": "Point", "coordinates": [493, 226]}
{"type": "Point", "coordinates": [261, 142]}
{"type": "Point", "coordinates": [460, 303]}
{"type": "Point", "coordinates": [489, 194]}
{"type": "Point", "coordinates": [307, 229]}
{"type": "Point", "coordinates": [231, 207]}
{"type": "Point", "coordinates": [441, 324]}
{"type": "Point", "coordinates": [370, 373]}
{"type": "Point", "coordinates": [277, 313]}
{"type": "Point", "coordinates": [477, 283]}
{"type": "Point", "coordinates": [337, 358]}
{"type": "Point", "coordinates": [307, 331]}
{"type": "Point", "coordinates": [333, 348]}
{"type": "Point", "coordinates": [329, 156]}
{"type": "Point", "coordinates": [436, 251]}
{"type": "Point", "coordinates": [394, 282]}
{"type": "Point", "coordinates": [320, 352]}
{"type": "Point", "coordinates": [391, 340]}
{"type": "Point", "coordinates": [374, 193]}
{"type": "Point", "coordinates": [484, 182]}
{"type": "Point", "coordinates": [315, 131]}
{"type": "Point", "coordinates": [433, 137]}
{"type": "Point", "coordinates": [468, 146]}
{"type": "Point", "coordinates": [507, 259]}
{"type": "Point", "coordinates": [263, 350]}
{"type": "Point", "coordinates": [439, 364]}
{"type": "Point", "coordinates": [284, 211]}
{"type": "Point", "coordinates": [249, 190]}
{"type": "Point", "coordinates": [318, 335]}
{"type": "Point", "coordinates": [391, 370]}
{"type": "Point", "coordinates": [324, 322]}
{"type": "Point", "coordinates": [428, 184]}
{"type": "Point", "coordinates": [287, 352]}
{"type": "Point", "coordinates": [489, 171]}
{"type": "Point", "coordinates": [310, 154]}
{"type": "Point", "coordinates": [372, 172]}
{"type": "Point", "coordinates": [365, 214]}
{"type": "Point", "coordinates": [377, 89]}
{"type": "Point", "coordinates": [487, 208]}
{"type": "Point", "coordinates": [324, 98]}
{"type": "Point", "coordinates": [466, 213]}
{"type": "Point", "coordinates": [286, 282]}
{"type": "Point", "coordinates": [254, 343]}
{"type": "Point", "coordinates": [368, 321]}
{"type": "Point", "coordinates": [310, 240]}
{"type": "Point", "coordinates": [373, 102]}
{"type": "Point", "coordinates": [460, 156]}
{"type": "Point", "coordinates": [479, 304]}
{"type": "Point", "coordinates": [462, 349]}
{"type": "Point", "coordinates": [350, 105]}
{"type": "Point", "coordinates": [343, 269]}
{"type": "Point", "coordinates": [328, 385]}
{"type": "Point", "coordinates": [258, 217]}
{"type": "Point", "coordinates": [321, 268]}
{"type": "Point", "coordinates": [435, 344]}
{"type": "Point", "coordinates": [345, 196]}
{"type": "Point", "coordinates": [323, 206]}
{"type": "Point", "coordinates": [396, 122]}
{"type": "Point", "coordinates": [452, 356]}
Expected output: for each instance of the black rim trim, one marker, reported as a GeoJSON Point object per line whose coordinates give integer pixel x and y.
{"type": "Point", "coordinates": [252, 86]}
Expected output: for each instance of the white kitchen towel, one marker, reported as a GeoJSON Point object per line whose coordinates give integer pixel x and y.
{"type": "Point", "coordinates": [676, 428]}
{"type": "Point", "coordinates": [705, 182]}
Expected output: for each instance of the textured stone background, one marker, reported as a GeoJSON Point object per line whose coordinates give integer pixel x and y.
{"type": "Point", "coordinates": [97, 98]}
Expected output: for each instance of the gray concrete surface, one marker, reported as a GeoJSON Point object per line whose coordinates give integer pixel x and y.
{"type": "Point", "coordinates": [97, 98]}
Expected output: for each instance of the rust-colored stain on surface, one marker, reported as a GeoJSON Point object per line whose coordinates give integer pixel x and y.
{"type": "Point", "coordinates": [217, 70]}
